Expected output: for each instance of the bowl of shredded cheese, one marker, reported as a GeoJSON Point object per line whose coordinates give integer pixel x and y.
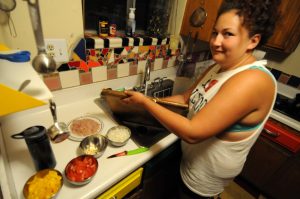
{"type": "Point", "coordinates": [45, 183]}
{"type": "Point", "coordinates": [118, 135]}
{"type": "Point", "coordinates": [93, 145]}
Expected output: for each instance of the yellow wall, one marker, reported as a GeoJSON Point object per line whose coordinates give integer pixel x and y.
{"type": "Point", "coordinates": [63, 19]}
{"type": "Point", "coordinates": [60, 19]}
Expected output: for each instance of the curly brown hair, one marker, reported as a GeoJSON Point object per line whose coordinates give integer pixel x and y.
{"type": "Point", "coordinates": [259, 16]}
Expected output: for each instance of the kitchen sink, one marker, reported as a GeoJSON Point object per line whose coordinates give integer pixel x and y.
{"type": "Point", "coordinates": [145, 135]}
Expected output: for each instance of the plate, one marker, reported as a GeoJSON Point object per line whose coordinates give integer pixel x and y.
{"type": "Point", "coordinates": [44, 184]}
{"type": "Point", "coordinates": [84, 126]}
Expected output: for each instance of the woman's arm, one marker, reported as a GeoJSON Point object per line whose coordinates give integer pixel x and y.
{"type": "Point", "coordinates": [245, 97]}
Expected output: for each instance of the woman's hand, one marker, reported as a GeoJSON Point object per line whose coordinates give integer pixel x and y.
{"type": "Point", "coordinates": [134, 98]}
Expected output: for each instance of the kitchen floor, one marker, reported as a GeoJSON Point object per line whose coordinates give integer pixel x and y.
{"type": "Point", "coordinates": [234, 191]}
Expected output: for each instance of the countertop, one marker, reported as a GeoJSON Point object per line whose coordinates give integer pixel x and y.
{"type": "Point", "coordinates": [16, 165]}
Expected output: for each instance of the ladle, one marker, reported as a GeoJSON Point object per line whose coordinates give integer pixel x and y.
{"type": "Point", "coordinates": [59, 130]}
{"type": "Point", "coordinates": [42, 63]}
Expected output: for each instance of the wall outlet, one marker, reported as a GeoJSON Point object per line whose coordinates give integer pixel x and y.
{"type": "Point", "coordinates": [57, 48]}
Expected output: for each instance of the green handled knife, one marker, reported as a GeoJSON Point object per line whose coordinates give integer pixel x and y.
{"type": "Point", "coordinates": [130, 152]}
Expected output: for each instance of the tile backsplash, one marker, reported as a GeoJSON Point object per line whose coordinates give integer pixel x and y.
{"type": "Point", "coordinates": [90, 64]}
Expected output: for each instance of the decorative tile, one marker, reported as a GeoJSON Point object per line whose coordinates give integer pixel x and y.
{"type": "Point", "coordinates": [143, 52]}
{"type": "Point", "coordinates": [123, 70]}
{"type": "Point", "coordinates": [133, 68]}
{"type": "Point", "coordinates": [276, 73]}
{"type": "Point", "coordinates": [284, 78]}
{"type": "Point", "coordinates": [158, 63]}
{"type": "Point", "coordinates": [171, 61]}
{"type": "Point", "coordinates": [111, 73]}
{"type": "Point", "coordinates": [69, 78]}
{"type": "Point", "coordinates": [79, 52]}
{"type": "Point", "coordinates": [141, 66]}
{"type": "Point", "coordinates": [85, 78]}
{"type": "Point", "coordinates": [52, 81]}
{"type": "Point", "coordinates": [165, 63]}
{"type": "Point", "coordinates": [294, 81]}
{"type": "Point", "coordinates": [99, 73]}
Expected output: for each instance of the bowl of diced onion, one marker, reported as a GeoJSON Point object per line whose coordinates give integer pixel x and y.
{"type": "Point", "coordinates": [118, 135]}
{"type": "Point", "coordinates": [93, 145]}
{"type": "Point", "coordinates": [45, 183]}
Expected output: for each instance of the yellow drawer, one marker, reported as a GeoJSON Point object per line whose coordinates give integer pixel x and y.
{"type": "Point", "coordinates": [123, 187]}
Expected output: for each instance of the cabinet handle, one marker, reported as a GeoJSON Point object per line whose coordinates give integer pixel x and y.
{"type": "Point", "coordinates": [271, 133]}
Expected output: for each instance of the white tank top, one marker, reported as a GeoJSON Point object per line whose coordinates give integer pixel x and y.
{"type": "Point", "coordinates": [208, 166]}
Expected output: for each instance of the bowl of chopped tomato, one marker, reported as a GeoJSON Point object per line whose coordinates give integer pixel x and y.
{"type": "Point", "coordinates": [81, 170]}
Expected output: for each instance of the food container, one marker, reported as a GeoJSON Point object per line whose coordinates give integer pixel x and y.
{"type": "Point", "coordinates": [39, 147]}
{"type": "Point", "coordinates": [84, 126]}
{"type": "Point", "coordinates": [81, 170]}
{"type": "Point", "coordinates": [93, 145]}
{"type": "Point", "coordinates": [44, 184]}
{"type": "Point", "coordinates": [118, 135]}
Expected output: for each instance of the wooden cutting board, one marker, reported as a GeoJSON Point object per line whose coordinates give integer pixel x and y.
{"type": "Point", "coordinates": [133, 113]}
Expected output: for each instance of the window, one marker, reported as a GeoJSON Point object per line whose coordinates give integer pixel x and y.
{"type": "Point", "coordinates": [152, 16]}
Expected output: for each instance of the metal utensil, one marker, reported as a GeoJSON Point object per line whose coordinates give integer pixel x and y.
{"type": "Point", "coordinates": [24, 84]}
{"type": "Point", "coordinates": [59, 130]}
{"type": "Point", "coordinates": [197, 19]}
{"type": "Point", "coordinates": [42, 63]}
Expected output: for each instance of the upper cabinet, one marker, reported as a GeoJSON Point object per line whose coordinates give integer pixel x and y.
{"type": "Point", "coordinates": [287, 32]}
{"type": "Point", "coordinates": [204, 32]}
{"type": "Point", "coordinates": [286, 35]}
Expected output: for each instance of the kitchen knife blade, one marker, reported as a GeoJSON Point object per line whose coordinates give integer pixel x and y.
{"type": "Point", "coordinates": [130, 152]}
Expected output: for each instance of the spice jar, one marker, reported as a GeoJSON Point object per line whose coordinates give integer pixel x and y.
{"type": "Point", "coordinates": [39, 147]}
{"type": "Point", "coordinates": [103, 28]}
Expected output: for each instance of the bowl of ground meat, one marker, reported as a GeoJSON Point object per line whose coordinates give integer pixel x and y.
{"type": "Point", "coordinates": [84, 126]}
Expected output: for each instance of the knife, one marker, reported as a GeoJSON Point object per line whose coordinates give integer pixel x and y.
{"type": "Point", "coordinates": [130, 152]}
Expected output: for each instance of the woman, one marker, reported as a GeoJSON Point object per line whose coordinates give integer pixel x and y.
{"type": "Point", "coordinates": [228, 105]}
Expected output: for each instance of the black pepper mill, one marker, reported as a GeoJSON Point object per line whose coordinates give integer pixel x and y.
{"type": "Point", "coordinates": [39, 147]}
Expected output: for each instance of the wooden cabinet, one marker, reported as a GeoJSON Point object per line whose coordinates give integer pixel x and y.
{"type": "Point", "coordinates": [272, 170]}
{"type": "Point", "coordinates": [211, 7]}
{"type": "Point", "coordinates": [287, 32]}
{"type": "Point", "coordinates": [263, 161]}
{"type": "Point", "coordinates": [286, 35]}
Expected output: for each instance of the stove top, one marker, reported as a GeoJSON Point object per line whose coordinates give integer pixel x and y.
{"type": "Point", "coordinates": [288, 107]}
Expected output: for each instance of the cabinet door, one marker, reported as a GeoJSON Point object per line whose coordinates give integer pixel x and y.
{"type": "Point", "coordinates": [264, 159]}
{"type": "Point", "coordinates": [285, 184]}
{"type": "Point", "coordinates": [287, 31]}
{"type": "Point", "coordinates": [204, 32]}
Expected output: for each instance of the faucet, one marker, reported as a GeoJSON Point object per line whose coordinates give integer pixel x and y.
{"type": "Point", "coordinates": [143, 88]}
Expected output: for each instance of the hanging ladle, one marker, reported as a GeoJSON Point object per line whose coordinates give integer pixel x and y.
{"type": "Point", "coordinates": [42, 63]}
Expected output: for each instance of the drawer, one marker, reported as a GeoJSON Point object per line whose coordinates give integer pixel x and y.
{"type": "Point", "coordinates": [123, 187]}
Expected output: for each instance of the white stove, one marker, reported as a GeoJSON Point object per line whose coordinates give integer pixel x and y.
{"type": "Point", "coordinates": [287, 107]}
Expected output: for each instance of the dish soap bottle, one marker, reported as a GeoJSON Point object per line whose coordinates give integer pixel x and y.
{"type": "Point", "coordinates": [130, 28]}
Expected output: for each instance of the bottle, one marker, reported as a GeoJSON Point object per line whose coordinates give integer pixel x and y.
{"type": "Point", "coordinates": [39, 147]}
{"type": "Point", "coordinates": [103, 27]}
{"type": "Point", "coordinates": [130, 28]}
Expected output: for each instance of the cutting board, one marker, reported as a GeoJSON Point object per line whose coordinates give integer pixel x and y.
{"type": "Point", "coordinates": [12, 101]}
{"type": "Point", "coordinates": [133, 113]}
{"type": "Point", "coordinates": [12, 75]}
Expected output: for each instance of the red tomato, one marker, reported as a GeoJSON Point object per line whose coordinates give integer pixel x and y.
{"type": "Point", "coordinates": [81, 168]}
